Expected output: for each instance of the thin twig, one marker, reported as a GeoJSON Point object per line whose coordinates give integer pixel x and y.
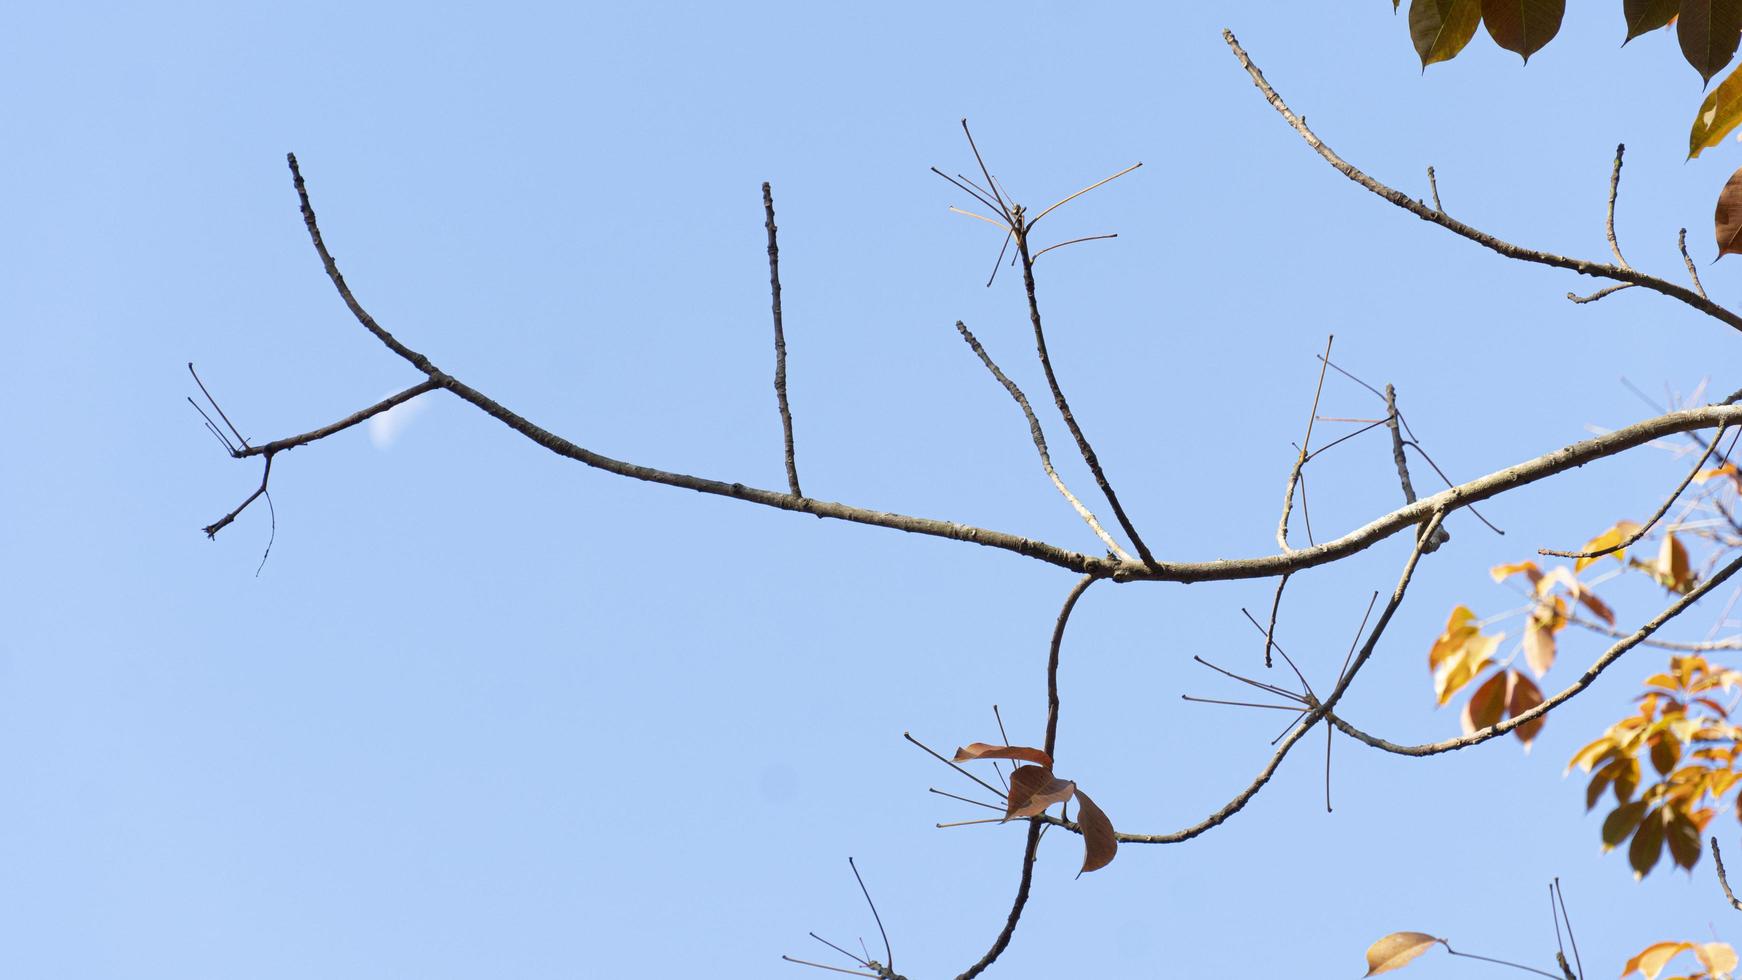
{"type": "Point", "coordinates": [1718, 859]}
{"type": "Point", "coordinates": [852, 956]}
{"type": "Point", "coordinates": [1629, 541]}
{"type": "Point", "coordinates": [1569, 921]}
{"type": "Point", "coordinates": [1039, 438]}
{"type": "Point", "coordinates": [825, 966]}
{"type": "Point", "coordinates": [1609, 217]}
{"type": "Point", "coordinates": [1599, 294]}
{"type": "Point", "coordinates": [213, 528]}
{"type": "Point", "coordinates": [888, 955]}
{"type": "Point", "coordinates": [779, 341]}
{"type": "Point", "coordinates": [1681, 243]}
{"type": "Point", "coordinates": [361, 415]}
{"type": "Point", "coordinates": [1300, 461]}
{"type": "Point", "coordinates": [1105, 180]}
{"type": "Point", "coordinates": [1507, 249]}
{"type": "Point", "coordinates": [1058, 395]}
{"type": "Point", "coordinates": [1275, 607]}
{"type": "Point", "coordinates": [1590, 675]}
{"type": "Point", "coordinates": [1085, 238]}
{"type": "Point", "coordinates": [1490, 959]}
{"type": "Point", "coordinates": [215, 406]}
{"type": "Point", "coordinates": [989, 787]}
{"type": "Point", "coordinates": [1442, 535]}
{"type": "Point", "coordinates": [1434, 185]}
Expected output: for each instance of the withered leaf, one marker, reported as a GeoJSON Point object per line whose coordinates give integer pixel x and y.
{"type": "Point", "coordinates": [1486, 706]}
{"type": "Point", "coordinates": [1539, 644]}
{"type": "Point", "coordinates": [1441, 28]}
{"type": "Point", "coordinates": [1033, 789]}
{"type": "Point", "coordinates": [1396, 950]}
{"type": "Point", "coordinates": [983, 750]}
{"type": "Point", "coordinates": [1727, 220]}
{"type": "Point", "coordinates": [1523, 26]}
{"type": "Point", "coordinates": [1099, 844]}
{"type": "Point", "coordinates": [1521, 696]}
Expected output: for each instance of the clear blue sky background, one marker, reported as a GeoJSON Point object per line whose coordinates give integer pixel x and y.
{"type": "Point", "coordinates": [487, 713]}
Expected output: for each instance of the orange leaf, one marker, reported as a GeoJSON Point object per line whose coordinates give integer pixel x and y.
{"type": "Point", "coordinates": [1099, 844]}
{"type": "Point", "coordinates": [1521, 696]}
{"type": "Point", "coordinates": [1501, 573]}
{"type": "Point", "coordinates": [981, 750]}
{"type": "Point", "coordinates": [1727, 219]}
{"type": "Point", "coordinates": [1612, 537]}
{"type": "Point", "coordinates": [1538, 645]}
{"type": "Point", "coordinates": [1672, 569]}
{"type": "Point", "coordinates": [1397, 949]}
{"type": "Point", "coordinates": [1652, 959]}
{"type": "Point", "coordinates": [1033, 789]}
{"type": "Point", "coordinates": [1486, 706]}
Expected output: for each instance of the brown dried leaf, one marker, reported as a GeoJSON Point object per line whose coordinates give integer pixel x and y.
{"type": "Point", "coordinates": [1672, 569]}
{"type": "Point", "coordinates": [1523, 26]}
{"type": "Point", "coordinates": [1397, 949]}
{"type": "Point", "coordinates": [1727, 220]}
{"type": "Point", "coordinates": [1539, 645]}
{"type": "Point", "coordinates": [983, 750]}
{"type": "Point", "coordinates": [1521, 696]}
{"type": "Point", "coordinates": [1033, 789]}
{"type": "Point", "coordinates": [1486, 706]}
{"type": "Point", "coordinates": [1099, 844]}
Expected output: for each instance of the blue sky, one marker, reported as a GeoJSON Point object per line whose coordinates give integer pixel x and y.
{"type": "Point", "coordinates": [488, 713]}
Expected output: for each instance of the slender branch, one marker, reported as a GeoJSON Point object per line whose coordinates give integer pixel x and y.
{"type": "Point", "coordinates": [1609, 216]}
{"type": "Point", "coordinates": [1442, 535]}
{"type": "Point", "coordinates": [779, 341]}
{"type": "Point", "coordinates": [1581, 266]}
{"type": "Point", "coordinates": [1275, 607]}
{"type": "Point", "coordinates": [1599, 294]}
{"type": "Point", "coordinates": [1454, 498]}
{"type": "Point", "coordinates": [1723, 879]}
{"type": "Point", "coordinates": [1052, 663]}
{"type": "Point", "coordinates": [362, 415]}
{"type": "Point", "coordinates": [1433, 184]}
{"type": "Point", "coordinates": [1058, 395]}
{"type": "Point", "coordinates": [211, 530]}
{"type": "Point", "coordinates": [1669, 501]}
{"type": "Point", "coordinates": [1040, 442]}
{"type": "Point", "coordinates": [1590, 675]}
{"type": "Point", "coordinates": [1490, 959]}
{"type": "Point", "coordinates": [1029, 847]}
{"type": "Point", "coordinates": [1681, 242]}
{"type": "Point", "coordinates": [1300, 460]}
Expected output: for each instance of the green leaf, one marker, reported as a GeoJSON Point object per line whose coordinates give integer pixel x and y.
{"type": "Point", "coordinates": [1523, 26]}
{"type": "Point", "coordinates": [1708, 31]}
{"type": "Point", "coordinates": [1441, 28]}
{"type": "Point", "coordinates": [1645, 16]}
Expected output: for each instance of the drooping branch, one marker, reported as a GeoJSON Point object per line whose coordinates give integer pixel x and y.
{"type": "Point", "coordinates": [1585, 680]}
{"type": "Point", "coordinates": [1668, 502]}
{"type": "Point", "coordinates": [1584, 267]}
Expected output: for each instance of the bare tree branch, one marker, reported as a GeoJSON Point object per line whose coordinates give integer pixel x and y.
{"type": "Point", "coordinates": [779, 341]}
{"type": "Point", "coordinates": [1583, 267]}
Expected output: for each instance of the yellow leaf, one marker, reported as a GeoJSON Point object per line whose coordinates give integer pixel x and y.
{"type": "Point", "coordinates": [1718, 115]}
{"type": "Point", "coordinates": [1728, 469]}
{"type": "Point", "coordinates": [1459, 628]}
{"type": "Point", "coordinates": [1539, 645]}
{"type": "Point", "coordinates": [1462, 666]}
{"type": "Point", "coordinates": [1672, 569]}
{"type": "Point", "coordinates": [1397, 949]}
{"type": "Point", "coordinates": [1501, 573]}
{"type": "Point", "coordinates": [1651, 959]}
{"type": "Point", "coordinates": [1608, 539]}
{"type": "Point", "coordinates": [1717, 958]}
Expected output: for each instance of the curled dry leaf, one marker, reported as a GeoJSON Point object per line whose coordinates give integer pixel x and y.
{"type": "Point", "coordinates": [1099, 844]}
{"type": "Point", "coordinates": [1033, 789]}
{"type": "Point", "coordinates": [982, 750]}
{"type": "Point", "coordinates": [1523, 26]}
{"type": "Point", "coordinates": [1441, 28]}
{"type": "Point", "coordinates": [1486, 706]}
{"type": "Point", "coordinates": [1727, 220]}
{"type": "Point", "coordinates": [1397, 949]}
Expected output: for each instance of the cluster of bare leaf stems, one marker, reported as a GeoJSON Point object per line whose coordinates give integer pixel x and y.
{"type": "Point", "coordinates": [1028, 791]}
